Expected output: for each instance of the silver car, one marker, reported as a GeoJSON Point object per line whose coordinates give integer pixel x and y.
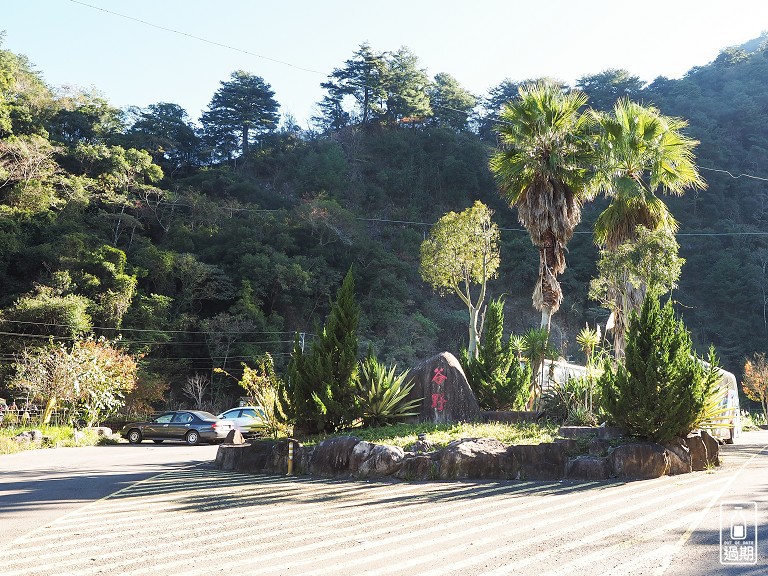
{"type": "Point", "coordinates": [249, 420]}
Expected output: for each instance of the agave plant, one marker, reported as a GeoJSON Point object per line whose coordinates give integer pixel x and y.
{"type": "Point", "coordinates": [716, 413]}
{"type": "Point", "coordinates": [383, 393]}
{"type": "Point", "coordinates": [569, 402]}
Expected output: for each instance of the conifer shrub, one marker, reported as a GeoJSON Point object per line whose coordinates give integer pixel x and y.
{"type": "Point", "coordinates": [661, 388]}
{"type": "Point", "coordinates": [500, 380]}
{"type": "Point", "coordinates": [319, 393]}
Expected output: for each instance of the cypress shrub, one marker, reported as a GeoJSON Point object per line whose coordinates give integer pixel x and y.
{"type": "Point", "coordinates": [498, 378]}
{"type": "Point", "coordinates": [660, 389]}
{"type": "Point", "coordinates": [320, 386]}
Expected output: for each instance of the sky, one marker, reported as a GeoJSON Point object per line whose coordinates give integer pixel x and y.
{"type": "Point", "coordinates": [135, 60]}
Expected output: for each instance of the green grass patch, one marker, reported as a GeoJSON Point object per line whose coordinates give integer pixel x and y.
{"type": "Point", "coordinates": [440, 435]}
{"type": "Point", "coordinates": [53, 437]}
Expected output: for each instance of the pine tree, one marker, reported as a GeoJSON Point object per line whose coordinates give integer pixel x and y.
{"type": "Point", "coordinates": [319, 395]}
{"type": "Point", "coordinates": [241, 109]}
{"type": "Point", "coordinates": [661, 388]}
{"type": "Point", "coordinates": [363, 77]}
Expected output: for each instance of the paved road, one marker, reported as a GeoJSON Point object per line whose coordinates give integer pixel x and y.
{"type": "Point", "coordinates": [38, 486]}
{"type": "Point", "coordinates": [197, 520]}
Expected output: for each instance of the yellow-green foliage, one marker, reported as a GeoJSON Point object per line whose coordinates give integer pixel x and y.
{"type": "Point", "coordinates": [53, 437]}
{"type": "Point", "coordinates": [440, 435]}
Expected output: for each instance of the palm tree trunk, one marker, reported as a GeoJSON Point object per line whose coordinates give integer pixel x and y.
{"type": "Point", "coordinates": [631, 300]}
{"type": "Point", "coordinates": [619, 332]}
{"type": "Point", "coordinates": [548, 294]}
{"type": "Point", "coordinates": [546, 319]}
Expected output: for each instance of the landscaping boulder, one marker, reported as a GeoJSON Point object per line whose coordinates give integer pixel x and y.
{"type": "Point", "coordinates": [332, 457]}
{"type": "Point", "coordinates": [588, 468]}
{"type": "Point", "coordinates": [228, 457]}
{"type": "Point", "coordinates": [421, 445]}
{"type": "Point", "coordinates": [444, 395]}
{"type": "Point", "coordinates": [418, 467]}
{"type": "Point", "coordinates": [609, 432]}
{"type": "Point", "coordinates": [360, 452]}
{"type": "Point", "coordinates": [697, 450]}
{"type": "Point", "coordinates": [33, 436]}
{"type": "Point", "coordinates": [260, 457]}
{"type": "Point", "coordinates": [469, 458]}
{"type": "Point", "coordinates": [679, 456]}
{"type": "Point", "coordinates": [705, 450]}
{"type": "Point", "coordinates": [544, 461]}
{"type": "Point", "coordinates": [303, 459]}
{"type": "Point", "coordinates": [569, 444]}
{"type": "Point", "coordinates": [641, 461]}
{"type": "Point", "coordinates": [475, 458]}
{"type": "Point", "coordinates": [713, 448]}
{"type": "Point", "coordinates": [599, 447]}
{"type": "Point", "coordinates": [234, 437]}
{"type": "Point", "coordinates": [381, 460]}
{"type": "Point", "coordinates": [577, 431]}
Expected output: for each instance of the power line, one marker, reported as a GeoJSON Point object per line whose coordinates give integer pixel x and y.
{"type": "Point", "coordinates": [498, 120]}
{"type": "Point", "coordinates": [394, 221]}
{"type": "Point", "coordinates": [205, 358]}
{"type": "Point", "coordinates": [172, 343]}
{"type": "Point", "coordinates": [46, 336]}
{"type": "Point", "coordinates": [154, 343]}
{"type": "Point", "coordinates": [285, 63]}
{"type": "Point", "coordinates": [732, 176]}
{"type": "Point", "coordinates": [229, 47]}
{"type": "Point", "coordinates": [200, 38]}
{"type": "Point", "coordinates": [53, 324]}
{"type": "Point", "coordinates": [523, 230]}
{"type": "Point", "coordinates": [583, 232]}
{"type": "Point", "coordinates": [722, 234]}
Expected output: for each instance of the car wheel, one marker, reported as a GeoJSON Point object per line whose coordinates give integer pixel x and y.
{"type": "Point", "coordinates": [157, 441]}
{"type": "Point", "coordinates": [134, 436]}
{"type": "Point", "coordinates": [192, 438]}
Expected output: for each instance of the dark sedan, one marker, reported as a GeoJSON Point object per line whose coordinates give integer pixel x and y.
{"type": "Point", "coordinates": [192, 426]}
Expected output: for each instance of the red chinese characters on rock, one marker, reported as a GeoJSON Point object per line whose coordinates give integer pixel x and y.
{"type": "Point", "coordinates": [438, 399]}
{"type": "Point", "coordinates": [439, 376]}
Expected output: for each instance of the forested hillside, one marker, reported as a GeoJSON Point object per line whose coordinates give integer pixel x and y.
{"type": "Point", "coordinates": [205, 242]}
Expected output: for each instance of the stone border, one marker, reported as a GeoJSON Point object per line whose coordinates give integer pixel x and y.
{"type": "Point", "coordinates": [471, 458]}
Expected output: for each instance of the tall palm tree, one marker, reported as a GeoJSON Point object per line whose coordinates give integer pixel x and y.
{"type": "Point", "coordinates": [640, 152]}
{"type": "Point", "coordinates": [542, 167]}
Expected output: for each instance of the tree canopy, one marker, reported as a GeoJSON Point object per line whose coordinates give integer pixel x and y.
{"type": "Point", "coordinates": [148, 223]}
{"type": "Point", "coordinates": [462, 250]}
{"type": "Point", "coordinates": [240, 111]}
{"type": "Point", "coordinates": [543, 168]}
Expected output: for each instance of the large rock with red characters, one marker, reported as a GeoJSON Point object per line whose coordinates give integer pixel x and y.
{"type": "Point", "coordinates": [443, 390]}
